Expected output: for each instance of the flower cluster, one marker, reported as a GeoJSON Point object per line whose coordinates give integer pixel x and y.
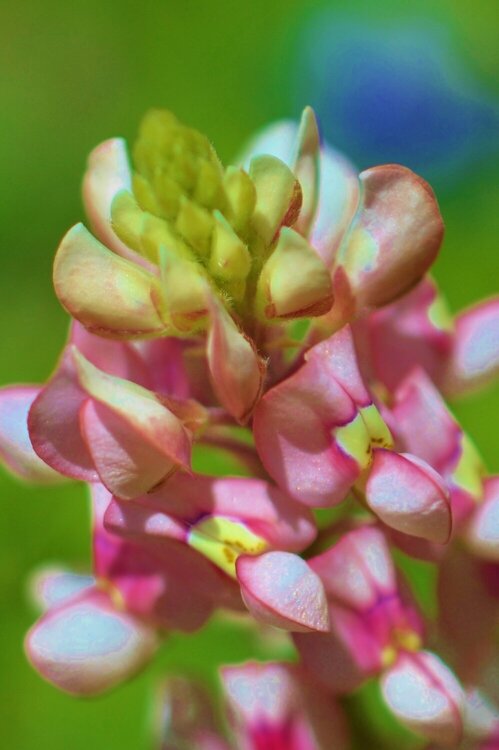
{"type": "Point", "coordinates": [279, 311]}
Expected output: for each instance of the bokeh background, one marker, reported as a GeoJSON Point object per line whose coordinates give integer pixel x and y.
{"type": "Point", "coordinates": [416, 83]}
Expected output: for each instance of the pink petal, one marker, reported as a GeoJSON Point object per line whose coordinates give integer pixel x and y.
{"type": "Point", "coordinates": [425, 696]}
{"type": "Point", "coordinates": [265, 510]}
{"type": "Point", "coordinates": [294, 427]}
{"type": "Point", "coordinates": [343, 658]}
{"type": "Point", "coordinates": [366, 610]}
{"type": "Point", "coordinates": [358, 570]}
{"type": "Point", "coordinates": [281, 590]}
{"type": "Point", "coordinates": [108, 173]}
{"type": "Point", "coordinates": [119, 358]}
{"type": "Point", "coordinates": [127, 464]}
{"type": "Point", "coordinates": [236, 370]}
{"type": "Point", "coordinates": [482, 530]}
{"type": "Point", "coordinates": [166, 367]}
{"type": "Point", "coordinates": [423, 423]}
{"type": "Point", "coordinates": [54, 426]}
{"type": "Point", "coordinates": [408, 495]}
{"type": "Point", "coordinates": [475, 357]}
{"type": "Point", "coordinates": [16, 450]}
{"type": "Point", "coordinates": [134, 440]}
{"type": "Point", "coordinates": [337, 358]}
{"type": "Point", "coordinates": [109, 295]}
{"type": "Point", "coordinates": [414, 331]}
{"type": "Point", "coordinates": [86, 646]}
{"type": "Point", "coordinates": [136, 521]}
{"type": "Point", "coordinates": [395, 236]}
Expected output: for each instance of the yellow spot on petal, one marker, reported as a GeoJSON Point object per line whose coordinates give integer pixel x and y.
{"type": "Point", "coordinates": [222, 540]}
{"type": "Point", "coordinates": [388, 657]}
{"type": "Point", "coordinates": [354, 439]}
{"type": "Point", "coordinates": [381, 436]}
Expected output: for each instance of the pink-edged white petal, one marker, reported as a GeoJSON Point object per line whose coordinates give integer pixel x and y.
{"type": "Point", "coordinates": [475, 356]}
{"type": "Point", "coordinates": [86, 646]}
{"type": "Point", "coordinates": [338, 201]}
{"type": "Point", "coordinates": [307, 168]}
{"type": "Point", "coordinates": [236, 370]}
{"type": "Point", "coordinates": [394, 238]}
{"type": "Point", "coordinates": [51, 586]}
{"type": "Point", "coordinates": [16, 450]}
{"type": "Point", "coordinates": [108, 173]}
{"type": "Point", "coordinates": [408, 495]}
{"type": "Point", "coordinates": [425, 696]}
{"type": "Point", "coordinates": [109, 295]}
{"type": "Point", "coordinates": [278, 139]}
{"type": "Point", "coordinates": [482, 530]}
{"type": "Point", "coordinates": [281, 590]}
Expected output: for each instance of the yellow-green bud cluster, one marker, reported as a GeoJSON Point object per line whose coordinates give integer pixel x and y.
{"type": "Point", "coordinates": [210, 228]}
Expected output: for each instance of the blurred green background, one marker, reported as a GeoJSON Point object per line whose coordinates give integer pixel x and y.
{"type": "Point", "coordinates": [73, 74]}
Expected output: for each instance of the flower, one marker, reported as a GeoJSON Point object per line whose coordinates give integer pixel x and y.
{"type": "Point", "coordinates": [319, 433]}
{"type": "Point", "coordinates": [376, 631]}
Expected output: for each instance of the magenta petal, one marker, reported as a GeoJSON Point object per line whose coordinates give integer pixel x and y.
{"type": "Point", "coordinates": [408, 495]}
{"type": "Point", "coordinates": [280, 589]}
{"type": "Point", "coordinates": [86, 646]}
{"type": "Point", "coordinates": [475, 356]}
{"type": "Point", "coordinates": [425, 696]}
{"type": "Point", "coordinates": [16, 450]}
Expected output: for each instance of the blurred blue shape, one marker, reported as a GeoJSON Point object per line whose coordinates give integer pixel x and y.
{"type": "Point", "coordinates": [398, 93]}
